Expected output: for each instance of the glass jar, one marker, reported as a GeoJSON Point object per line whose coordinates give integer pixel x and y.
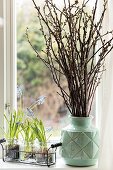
{"type": "Point", "coordinates": [27, 151]}
{"type": "Point", "coordinates": [12, 150]}
{"type": "Point", "coordinates": [44, 155]}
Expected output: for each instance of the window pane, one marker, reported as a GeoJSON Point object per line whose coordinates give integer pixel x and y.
{"type": "Point", "coordinates": [33, 77]}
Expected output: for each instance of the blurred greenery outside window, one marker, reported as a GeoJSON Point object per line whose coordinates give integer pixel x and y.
{"type": "Point", "coordinates": [32, 76]}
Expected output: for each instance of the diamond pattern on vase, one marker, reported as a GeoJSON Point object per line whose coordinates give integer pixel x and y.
{"type": "Point", "coordinates": [82, 139]}
{"type": "Point", "coordinates": [93, 136]}
{"type": "Point", "coordinates": [81, 155]}
{"type": "Point", "coordinates": [80, 145]}
{"type": "Point", "coordinates": [67, 137]}
{"type": "Point", "coordinates": [90, 134]}
{"type": "Point", "coordinates": [96, 155]}
{"type": "Point", "coordinates": [96, 139]}
{"type": "Point", "coordinates": [71, 149]}
{"type": "Point", "coordinates": [73, 135]}
{"type": "Point", "coordinates": [91, 149]}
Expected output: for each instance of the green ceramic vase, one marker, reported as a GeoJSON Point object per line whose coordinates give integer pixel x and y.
{"type": "Point", "coordinates": [80, 142]}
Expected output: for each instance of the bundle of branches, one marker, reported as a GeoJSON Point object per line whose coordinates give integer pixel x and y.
{"type": "Point", "coordinates": [72, 35]}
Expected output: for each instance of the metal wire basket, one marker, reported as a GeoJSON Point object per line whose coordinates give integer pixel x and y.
{"type": "Point", "coordinates": [15, 154]}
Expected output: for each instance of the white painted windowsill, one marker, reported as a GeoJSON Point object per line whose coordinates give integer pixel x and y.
{"type": "Point", "coordinates": [59, 164]}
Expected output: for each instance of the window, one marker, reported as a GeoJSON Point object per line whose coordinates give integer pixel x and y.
{"type": "Point", "coordinates": [32, 75]}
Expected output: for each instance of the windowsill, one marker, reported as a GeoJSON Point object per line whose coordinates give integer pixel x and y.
{"type": "Point", "coordinates": [59, 164]}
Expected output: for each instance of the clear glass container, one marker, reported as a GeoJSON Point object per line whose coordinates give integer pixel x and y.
{"type": "Point", "coordinates": [27, 151]}
{"type": "Point", "coordinates": [44, 154]}
{"type": "Point", "coordinates": [12, 148]}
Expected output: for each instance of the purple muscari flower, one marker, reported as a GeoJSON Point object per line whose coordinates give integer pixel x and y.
{"type": "Point", "coordinates": [30, 113]}
{"type": "Point", "coordinates": [19, 91]}
{"type": "Point", "coordinates": [40, 100]}
{"type": "Point", "coordinates": [48, 129]}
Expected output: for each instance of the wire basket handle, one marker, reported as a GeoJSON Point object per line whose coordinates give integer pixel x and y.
{"type": "Point", "coordinates": [56, 145]}
{"type": "Point", "coordinates": [2, 140]}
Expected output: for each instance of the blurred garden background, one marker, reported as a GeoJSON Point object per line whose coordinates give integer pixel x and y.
{"type": "Point", "coordinates": [32, 76]}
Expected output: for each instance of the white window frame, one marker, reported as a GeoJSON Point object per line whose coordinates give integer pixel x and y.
{"type": "Point", "coordinates": [10, 53]}
{"type": "Point", "coordinates": [7, 59]}
{"type": "Point", "coordinates": [10, 48]}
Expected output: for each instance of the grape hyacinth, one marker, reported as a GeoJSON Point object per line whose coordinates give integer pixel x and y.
{"type": "Point", "coordinates": [39, 101]}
